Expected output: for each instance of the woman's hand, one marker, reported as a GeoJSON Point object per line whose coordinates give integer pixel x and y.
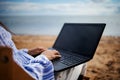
{"type": "Point", "coordinates": [51, 54]}
{"type": "Point", "coordinates": [36, 51]}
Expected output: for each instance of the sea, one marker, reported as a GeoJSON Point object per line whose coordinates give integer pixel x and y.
{"type": "Point", "coordinates": [51, 25]}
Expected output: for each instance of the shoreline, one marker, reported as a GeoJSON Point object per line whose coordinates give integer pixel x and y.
{"type": "Point", "coordinates": [56, 35]}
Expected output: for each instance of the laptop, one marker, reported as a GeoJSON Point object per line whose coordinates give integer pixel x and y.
{"type": "Point", "coordinates": [77, 43]}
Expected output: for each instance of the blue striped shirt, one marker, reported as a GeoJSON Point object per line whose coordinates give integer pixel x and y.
{"type": "Point", "coordinates": [40, 68]}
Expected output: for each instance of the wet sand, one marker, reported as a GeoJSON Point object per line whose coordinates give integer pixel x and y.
{"type": "Point", "coordinates": [105, 64]}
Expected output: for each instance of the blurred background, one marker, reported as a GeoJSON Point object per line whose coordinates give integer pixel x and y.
{"type": "Point", "coordinates": [48, 16]}
{"type": "Point", "coordinates": [38, 22]}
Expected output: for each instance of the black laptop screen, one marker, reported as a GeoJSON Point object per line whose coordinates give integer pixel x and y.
{"type": "Point", "coordinates": [80, 38]}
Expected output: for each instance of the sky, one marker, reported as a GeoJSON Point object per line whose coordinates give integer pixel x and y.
{"type": "Point", "coordinates": [59, 7]}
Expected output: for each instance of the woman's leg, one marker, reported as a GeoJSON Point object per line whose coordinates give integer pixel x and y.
{"type": "Point", "coordinates": [72, 73]}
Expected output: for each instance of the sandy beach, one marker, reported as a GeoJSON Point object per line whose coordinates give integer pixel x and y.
{"type": "Point", "coordinates": [105, 65]}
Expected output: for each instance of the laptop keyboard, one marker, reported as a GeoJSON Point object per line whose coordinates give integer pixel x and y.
{"type": "Point", "coordinates": [71, 58]}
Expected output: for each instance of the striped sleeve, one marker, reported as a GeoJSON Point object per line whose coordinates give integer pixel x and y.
{"type": "Point", "coordinates": [48, 70]}
{"type": "Point", "coordinates": [6, 39]}
{"type": "Point", "coordinates": [40, 68]}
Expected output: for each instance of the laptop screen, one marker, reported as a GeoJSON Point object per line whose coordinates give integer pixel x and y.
{"type": "Point", "coordinates": [80, 38]}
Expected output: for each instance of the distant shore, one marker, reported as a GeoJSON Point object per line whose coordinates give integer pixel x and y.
{"type": "Point", "coordinates": [105, 65]}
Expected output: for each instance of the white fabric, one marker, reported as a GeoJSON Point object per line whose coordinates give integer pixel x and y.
{"type": "Point", "coordinates": [72, 73]}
